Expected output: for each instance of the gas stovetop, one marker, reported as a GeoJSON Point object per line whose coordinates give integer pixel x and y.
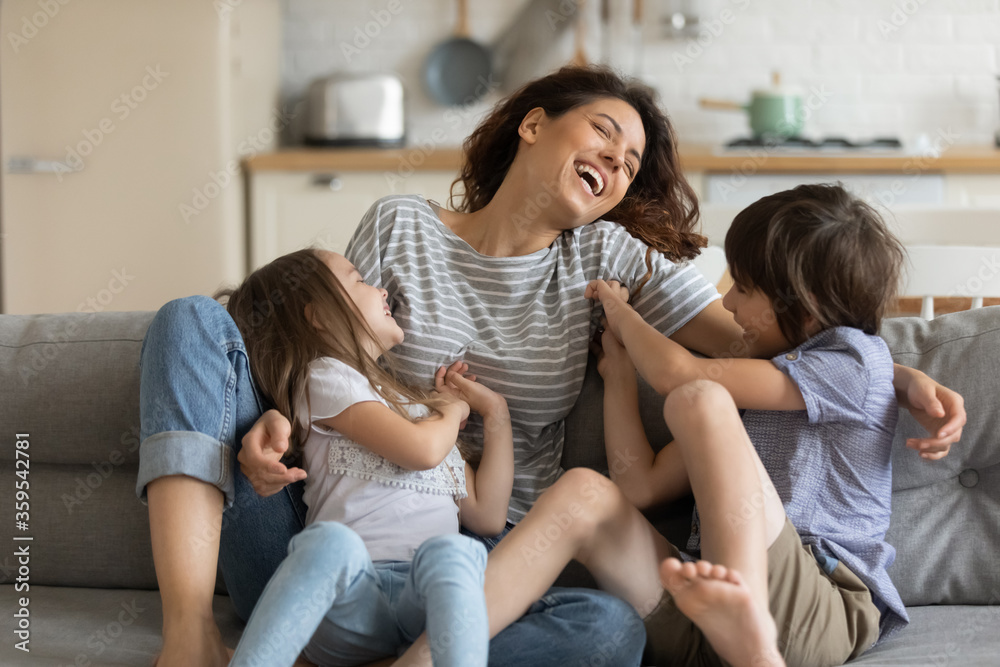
{"type": "Point", "coordinates": [824, 144]}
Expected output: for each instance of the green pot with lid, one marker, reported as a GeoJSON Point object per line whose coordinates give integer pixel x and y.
{"type": "Point", "coordinates": [778, 111]}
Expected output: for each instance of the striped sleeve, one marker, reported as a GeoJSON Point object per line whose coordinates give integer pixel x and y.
{"type": "Point", "coordinates": [366, 249]}
{"type": "Point", "coordinates": [675, 292]}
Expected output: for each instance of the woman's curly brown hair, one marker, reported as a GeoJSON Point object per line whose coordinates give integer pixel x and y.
{"type": "Point", "coordinates": [660, 207]}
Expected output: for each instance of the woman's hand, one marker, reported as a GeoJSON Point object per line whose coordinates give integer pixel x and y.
{"type": "Point", "coordinates": [456, 382]}
{"type": "Point", "coordinates": [613, 296]}
{"type": "Point", "coordinates": [939, 410]}
{"type": "Point", "coordinates": [260, 458]}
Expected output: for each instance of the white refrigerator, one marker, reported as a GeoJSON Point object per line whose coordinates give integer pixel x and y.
{"type": "Point", "coordinates": [122, 126]}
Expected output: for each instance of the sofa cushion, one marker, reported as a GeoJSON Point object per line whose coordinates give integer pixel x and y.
{"type": "Point", "coordinates": [72, 381]}
{"type": "Point", "coordinates": [940, 636]}
{"type": "Point", "coordinates": [72, 384]}
{"type": "Point", "coordinates": [85, 626]}
{"type": "Point", "coordinates": [946, 514]}
{"type": "Point", "coordinates": [88, 627]}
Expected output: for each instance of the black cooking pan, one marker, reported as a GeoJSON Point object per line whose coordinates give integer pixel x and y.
{"type": "Point", "coordinates": [457, 71]}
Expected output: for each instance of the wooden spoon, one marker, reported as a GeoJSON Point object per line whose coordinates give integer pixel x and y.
{"type": "Point", "coordinates": [580, 57]}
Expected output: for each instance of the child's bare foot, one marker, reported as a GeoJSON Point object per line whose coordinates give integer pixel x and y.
{"type": "Point", "coordinates": [719, 602]}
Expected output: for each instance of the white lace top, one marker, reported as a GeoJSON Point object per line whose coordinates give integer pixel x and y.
{"type": "Point", "coordinates": [391, 508]}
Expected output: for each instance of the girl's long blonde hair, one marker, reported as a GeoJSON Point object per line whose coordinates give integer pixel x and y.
{"type": "Point", "coordinates": [269, 308]}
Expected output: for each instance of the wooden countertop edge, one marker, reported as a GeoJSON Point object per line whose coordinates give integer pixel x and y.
{"type": "Point", "coordinates": [694, 158]}
{"type": "Point", "coordinates": [402, 160]}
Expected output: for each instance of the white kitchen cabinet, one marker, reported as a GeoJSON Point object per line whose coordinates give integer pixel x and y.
{"type": "Point", "coordinates": [123, 124]}
{"type": "Point", "coordinates": [290, 210]}
{"type": "Point", "coordinates": [973, 190]}
{"type": "Point", "coordinates": [887, 189]}
{"type": "Point", "coordinates": [931, 188]}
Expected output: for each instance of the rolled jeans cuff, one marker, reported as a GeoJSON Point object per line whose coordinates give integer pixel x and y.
{"type": "Point", "coordinates": [186, 453]}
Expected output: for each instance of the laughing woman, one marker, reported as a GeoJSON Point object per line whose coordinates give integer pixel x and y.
{"type": "Point", "coordinates": [573, 178]}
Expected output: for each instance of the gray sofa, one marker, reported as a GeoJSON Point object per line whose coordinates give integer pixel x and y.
{"type": "Point", "coordinates": [71, 383]}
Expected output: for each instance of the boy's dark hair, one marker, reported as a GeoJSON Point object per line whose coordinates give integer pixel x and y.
{"type": "Point", "coordinates": [816, 250]}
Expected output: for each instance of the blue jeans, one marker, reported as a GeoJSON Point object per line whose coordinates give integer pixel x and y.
{"type": "Point", "coordinates": [197, 400]}
{"type": "Point", "coordinates": [357, 612]}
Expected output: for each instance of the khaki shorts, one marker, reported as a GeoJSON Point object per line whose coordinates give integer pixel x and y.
{"type": "Point", "coordinates": [822, 619]}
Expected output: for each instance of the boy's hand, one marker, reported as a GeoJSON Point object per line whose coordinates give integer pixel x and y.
{"type": "Point", "coordinates": [614, 297]}
{"type": "Point", "coordinates": [939, 410]}
{"type": "Point", "coordinates": [456, 382]}
{"type": "Point", "coordinates": [612, 357]}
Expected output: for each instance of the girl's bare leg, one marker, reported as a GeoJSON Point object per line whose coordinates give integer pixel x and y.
{"type": "Point", "coordinates": [726, 595]}
{"type": "Point", "coordinates": [186, 563]}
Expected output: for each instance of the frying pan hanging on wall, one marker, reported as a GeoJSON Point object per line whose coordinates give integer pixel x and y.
{"type": "Point", "coordinates": [457, 71]}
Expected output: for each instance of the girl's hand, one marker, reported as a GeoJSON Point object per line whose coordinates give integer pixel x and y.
{"type": "Point", "coordinates": [455, 381]}
{"type": "Point", "coordinates": [454, 406]}
{"type": "Point", "coordinates": [260, 457]}
{"type": "Point", "coordinates": [614, 297]}
{"type": "Point", "coordinates": [939, 410]}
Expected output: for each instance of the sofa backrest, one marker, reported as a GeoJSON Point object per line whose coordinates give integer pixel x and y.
{"type": "Point", "coordinates": [71, 382]}
{"type": "Point", "coordinates": [946, 514]}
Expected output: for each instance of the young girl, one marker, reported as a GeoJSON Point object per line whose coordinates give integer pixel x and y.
{"type": "Point", "coordinates": [380, 557]}
{"type": "Point", "coordinates": [793, 499]}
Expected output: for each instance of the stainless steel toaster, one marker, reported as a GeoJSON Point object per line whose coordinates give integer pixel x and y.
{"type": "Point", "coordinates": [356, 109]}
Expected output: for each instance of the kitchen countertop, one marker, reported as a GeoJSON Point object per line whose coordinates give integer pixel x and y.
{"type": "Point", "coordinates": [694, 157]}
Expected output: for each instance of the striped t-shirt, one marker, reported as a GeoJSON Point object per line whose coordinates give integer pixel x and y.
{"type": "Point", "coordinates": [521, 323]}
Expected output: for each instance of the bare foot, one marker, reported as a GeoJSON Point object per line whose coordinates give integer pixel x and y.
{"type": "Point", "coordinates": [717, 600]}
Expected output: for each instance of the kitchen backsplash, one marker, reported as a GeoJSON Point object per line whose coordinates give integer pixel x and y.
{"type": "Point", "coordinates": [869, 68]}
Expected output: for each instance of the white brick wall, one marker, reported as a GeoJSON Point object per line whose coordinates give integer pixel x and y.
{"type": "Point", "coordinates": [892, 67]}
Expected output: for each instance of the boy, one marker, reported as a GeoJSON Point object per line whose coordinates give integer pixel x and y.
{"type": "Point", "coordinates": [815, 270]}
